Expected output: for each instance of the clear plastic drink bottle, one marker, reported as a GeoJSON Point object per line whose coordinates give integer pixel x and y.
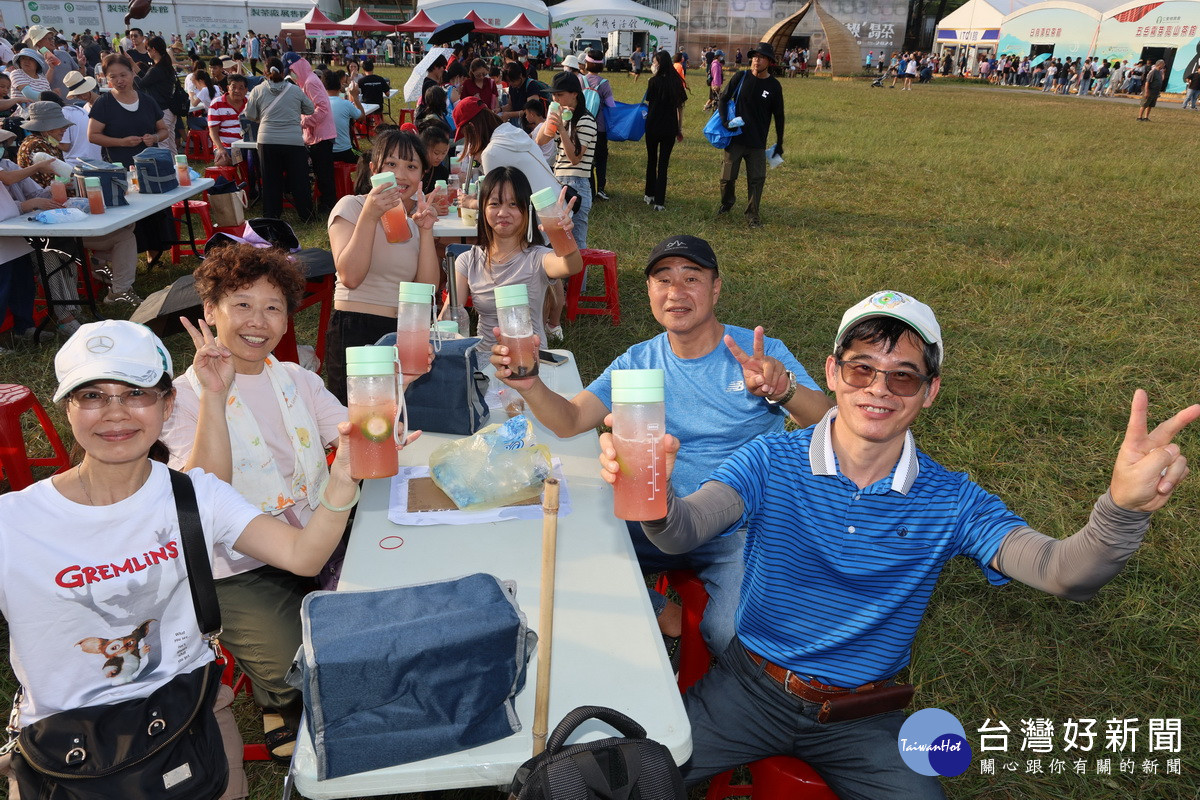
{"type": "Point", "coordinates": [413, 318]}
{"type": "Point", "coordinates": [376, 402]}
{"type": "Point", "coordinates": [639, 422]}
{"type": "Point", "coordinates": [516, 329]}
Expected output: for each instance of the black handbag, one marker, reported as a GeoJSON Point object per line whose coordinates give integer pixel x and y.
{"type": "Point", "coordinates": [166, 746]}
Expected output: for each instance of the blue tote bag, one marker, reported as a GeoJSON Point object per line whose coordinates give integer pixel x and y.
{"type": "Point", "coordinates": [626, 122]}
{"type": "Point", "coordinates": [715, 131]}
{"type": "Point", "coordinates": [391, 676]}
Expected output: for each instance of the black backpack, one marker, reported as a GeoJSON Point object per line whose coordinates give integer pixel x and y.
{"type": "Point", "coordinates": [180, 103]}
{"type": "Point", "coordinates": [630, 768]}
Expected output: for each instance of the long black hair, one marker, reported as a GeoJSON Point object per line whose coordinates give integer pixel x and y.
{"type": "Point", "coordinates": [402, 143]}
{"type": "Point", "coordinates": [493, 184]}
{"type": "Point", "coordinates": [666, 75]}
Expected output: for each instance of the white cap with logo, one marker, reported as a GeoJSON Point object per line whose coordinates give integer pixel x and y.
{"type": "Point", "coordinates": [896, 305]}
{"type": "Point", "coordinates": [111, 350]}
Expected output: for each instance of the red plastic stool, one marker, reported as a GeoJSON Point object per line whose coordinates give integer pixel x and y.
{"type": "Point", "coordinates": [228, 173]}
{"type": "Point", "coordinates": [343, 178]}
{"type": "Point", "coordinates": [406, 115]}
{"type": "Point", "coordinates": [694, 657]}
{"type": "Point", "coordinates": [612, 303]}
{"type": "Point", "coordinates": [250, 752]}
{"type": "Point", "coordinates": [200, 208]}
{"type": "Point", "coordinates": [15, 400]}
{"type": "Point", "coordinates": [199, 146]}
{"type": "Point", "coordinates": [317, 290]}
{"type": "Point", "coordinates": [773, 778]}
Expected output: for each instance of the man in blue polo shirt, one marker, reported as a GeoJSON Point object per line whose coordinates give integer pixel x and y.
{"type": "Point", "coordinates": [724, 386]}
{"type": "Point", "coordinates": [848, 528]}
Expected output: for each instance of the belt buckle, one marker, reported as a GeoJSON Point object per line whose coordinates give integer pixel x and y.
{"type": "Point", "coordinates": [787, 684]}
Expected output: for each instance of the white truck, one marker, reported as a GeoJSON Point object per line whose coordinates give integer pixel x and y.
{"type": "Point", "coordinates": [621, 45]}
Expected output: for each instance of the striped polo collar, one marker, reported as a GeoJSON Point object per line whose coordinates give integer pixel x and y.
{"type": "Point", "coordinates": [822, 461]}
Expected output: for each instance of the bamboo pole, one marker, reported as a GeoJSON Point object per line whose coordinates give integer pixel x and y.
{"type": "Point", "coordinates": [541, 706]}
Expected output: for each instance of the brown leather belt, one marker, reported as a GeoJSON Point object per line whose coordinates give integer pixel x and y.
{"type": "Point", "coordinates": [807, 688]}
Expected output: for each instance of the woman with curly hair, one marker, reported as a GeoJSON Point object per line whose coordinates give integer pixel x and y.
{"type": "Point", "coordinates": [263, 428]}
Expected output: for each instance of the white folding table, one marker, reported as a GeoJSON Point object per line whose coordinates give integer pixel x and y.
{"type": "Point", "coordinates": [140, 206]}
{"type": "Point", "coordinates": [607, 648]}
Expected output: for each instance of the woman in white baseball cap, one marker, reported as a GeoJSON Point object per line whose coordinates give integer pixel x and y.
{"type": "Point", "coordinates": [93, 555]}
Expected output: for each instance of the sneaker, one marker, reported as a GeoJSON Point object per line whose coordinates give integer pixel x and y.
{"type": "Point", "coordinates": [69, 327]}
{"type": "Point", "coordinates": [554, 332]}
{"type": "Point", "coordinates": [103, 274]}
{"type": "Point", "coordinates": [723, 210]}
{"type": "Point", "coordinates": [649, 200]}
{"type": "Point", "coordinates": [754, 223]}
{"type": "Point", "coordinates": [660, 208]}
{"type": "Point", "coordinates": [128, 296]}
{"type": "Point", "coordinates": [601, 195]}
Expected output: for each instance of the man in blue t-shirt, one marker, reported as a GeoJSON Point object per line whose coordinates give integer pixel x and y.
{"type": "Point", "coordinates": [724, 386]}
{"type": "Point", "coordinates": [848, 528]}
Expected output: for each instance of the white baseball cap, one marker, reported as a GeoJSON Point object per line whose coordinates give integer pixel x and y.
{"type": "Point", "coordinates": [111, 350]}
{"type": "Point", "coordinates": [897, 305]}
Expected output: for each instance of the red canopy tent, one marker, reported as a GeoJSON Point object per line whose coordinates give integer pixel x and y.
{"type": "Point", "coordinates": [481, 26]}
{"type": "Point", "coordinates": [312, 21]}
{"type": "Point", "coordinates": [419, 23]}
{"type": "Point", "coordinates": [521, 26]}
{"type": "Point", "coordinates": [362, 21]}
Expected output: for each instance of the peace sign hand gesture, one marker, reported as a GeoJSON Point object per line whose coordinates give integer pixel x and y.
{"type": "Point", "coordinates": [424, 215]}
{"type": "Point", "coordinates": [213, 363]}
{"type": "Point", "coordinates": [1149, 465]}
{"type": "Point", "coordinates": [764, 376]}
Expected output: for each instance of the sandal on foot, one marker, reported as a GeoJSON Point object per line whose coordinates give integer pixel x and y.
{"type": "Point", "coordinates": [281, 743]}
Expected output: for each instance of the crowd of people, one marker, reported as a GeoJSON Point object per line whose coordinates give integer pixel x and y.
{"type": "Point", "coordinates": [250, 432]}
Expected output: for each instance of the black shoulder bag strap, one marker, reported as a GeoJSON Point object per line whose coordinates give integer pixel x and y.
{"type": "Point", "coordinates": [196, 560]}
{"type": "Point", "coordinates": [200, 579]}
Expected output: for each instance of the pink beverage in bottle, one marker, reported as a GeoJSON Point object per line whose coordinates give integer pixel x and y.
{"type": "Point", "coordinates": [413, 316]}
{"type": "Point", "coordinates": [639, 423]}
{"type": "Point", "coordinates": [95, 195]}
{"type": "Point", "coordinates": [552, 216]}
{"type": "Point", "coordinates": [516, 329]}
{"type": "Point", "coordinates": [375, 401]}
{"type": "Point", "coordinates": [394, 220]}
{"type": "Point", "coordinates": [181, 171]}
{"type": "Point", "coordinates": [440, 199]}
{"type": "Point", "coordinates": [549, 126]}
{"type": "Point", "coordinates": [58, 190]}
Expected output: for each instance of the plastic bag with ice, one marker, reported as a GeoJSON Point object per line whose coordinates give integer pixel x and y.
{"type": "Point", "coordinates": [59, 215]}
{"type": "Point", "coordinates": [498, 465]}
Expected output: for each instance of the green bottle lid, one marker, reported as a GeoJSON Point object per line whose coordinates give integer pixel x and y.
{"type": "Point", "coordinates": [516, 294]}
{"type": "Point", "coordinates": [637, 386]}
{"type": "Point", "coordinates": [370, 360]}
{"type": "Point", "coordinates": [383, 179]}
{"type": "Point", "coordinates": [545, 198]}
{"type": "Point", "coordinates": [416, 292]}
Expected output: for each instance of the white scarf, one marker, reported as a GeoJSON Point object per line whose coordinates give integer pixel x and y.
{"type": "Point", "coordinates": [255, 474]}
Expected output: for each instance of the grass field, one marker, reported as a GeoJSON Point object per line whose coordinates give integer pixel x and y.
{"type": "Point", "coordinates": [1051, 236]}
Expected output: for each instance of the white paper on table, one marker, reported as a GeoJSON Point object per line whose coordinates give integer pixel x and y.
{"type": "Point", "coordinates": [398, 503]}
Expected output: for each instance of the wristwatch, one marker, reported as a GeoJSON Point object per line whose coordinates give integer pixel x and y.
{"type": "Point", "coordinates": [791, 391]}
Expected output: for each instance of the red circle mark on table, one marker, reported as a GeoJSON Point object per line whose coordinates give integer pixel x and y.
{"type": "Point", "coordinates": [391, 542]}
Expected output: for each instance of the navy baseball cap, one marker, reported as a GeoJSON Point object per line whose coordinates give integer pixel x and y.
{"type": "Point", "coordinates": [693, 248]}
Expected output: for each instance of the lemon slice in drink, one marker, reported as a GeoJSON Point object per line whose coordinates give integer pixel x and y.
{"type": "Point", "coordinates": [376, 428]}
